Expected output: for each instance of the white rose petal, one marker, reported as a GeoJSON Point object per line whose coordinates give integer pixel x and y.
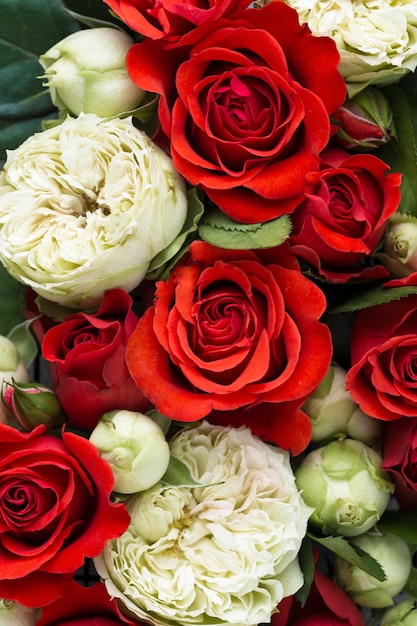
{"type": "Point", "coordinates": [225, 553]}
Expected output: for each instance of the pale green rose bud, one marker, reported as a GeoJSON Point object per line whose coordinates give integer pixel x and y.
{"type": "Point", "coordinates": [334, 413]}
{"type": "Point", "coordinates": [14, 614]}
{"type": "Point", "coordinates": [135, 448]}
{"type": "Point", "coordinates": [393, 554]}
{"type": "Point", "coordinates": [86, 72]}
{"type": "Point", "coordinates": [403, 614]}
{"type": "Point", "coordinates": [345, 485]}
{"type": "Point", "coordinates": [12, 367]}
{"type": "Point", "coordinates": [400, 245]}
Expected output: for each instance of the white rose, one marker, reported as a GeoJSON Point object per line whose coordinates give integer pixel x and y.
{"type": "Point", "coordinates": [135, 448]}
{"type": "Point", "coordinates": [225, 553]}
{"type": "Point", "coordinates": [86, 72]}
{"type": "Point", "coordinates": [377, 40]}
{"type": "Point", "coordinates": [14, 614]}
{"type": "Point", "coordinates": [85, 206]}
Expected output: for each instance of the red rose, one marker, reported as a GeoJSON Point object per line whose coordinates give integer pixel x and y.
{"type": "Point", "coordinates": [169, 20]}
{"type": "Point", "coordinates": [233, 329]}
{"type": "Point", "coordinates": [248, 113]}
{"type": "Point", "coordinates": [343, 217]}
{"type": "Point", "coordinates": [383, 375]}
{"type": "Point", "coordinates": [83, 606]}
{"type": "Point", "coordinates": [326, 605]}
{"type": "Point", "coordinates": [400, 459]}
{"type": "Point", "coordinates": [55, 510]}
{"type": "Point", "coordinates": [87, 359]}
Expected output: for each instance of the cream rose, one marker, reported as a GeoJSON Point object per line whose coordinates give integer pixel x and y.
{"type": "Point", "coordinates": [377, 40]}
{"type": "Point", "coordinates": [221, 553]}
{"type": "Point", "coordinates": [85, 206]}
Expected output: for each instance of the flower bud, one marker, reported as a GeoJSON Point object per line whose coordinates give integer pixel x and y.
{"type": "Point", "coordinates": [14, 614]}
{"type": "Point", "coordinates": [400, 245]}
{"type": "Point", "coordinates": [134, 446]}
{"type": "Point", "coordinates": [345, 485]}
{"type": "Point", "coordinates": [11, 367]}
{"type": "Point", "coordinates": [392, 554]}
{"type": "Point", "coordinates": [86, 72]}
{"type": "Point", "coordinates": [32, 404]}
{"type": "Point", "coordinates": [364, 121]}
{"type": "Point", "coordinates": [334, 413]}
{"type": "Point", "coordinates": [403, 614]}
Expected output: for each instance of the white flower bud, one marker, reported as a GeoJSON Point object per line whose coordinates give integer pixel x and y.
{"type": "Point", "coordinates": [86, 73]}
{"type": "Point", "coordinates": [14, 614]}
{"type": "Point", "coordinates": [392, 554]}
{"type": "Point", "coordinates": [135, 448]}
{"type": "Point", "coordinates": [334, 413]}
{"type": "Point", "coordinates": [344, 483]}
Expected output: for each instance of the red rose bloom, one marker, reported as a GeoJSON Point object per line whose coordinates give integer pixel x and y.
{"type": "Point", "coordinates": [233, 329]}
{"type": "Point", "coordinates": [383, 375]}
{"type": "Point", "coordinates": [326, 605]}
{"type": "Point", "coordinates": [343, 217]}
{"type": "Point", "coordinates": [248, 113]}
{"type": "Point", "coordinates": [400, 459]}
{"type": "Point", "coordinates": [84, 606]}
{"type": "Point", "coordinates": [168, 19]}
{"type": "Point", "coordinates": [55, 510]}
{"type": "Point", "coordinates": [87, 361]}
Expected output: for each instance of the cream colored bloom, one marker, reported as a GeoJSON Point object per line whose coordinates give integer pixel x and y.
{"type": "Point", "coordinates": [377, 39]}
{"type": "Point", "coordinates": [224, 553]}
{"type": "Point", "coordinates": [85, 206]}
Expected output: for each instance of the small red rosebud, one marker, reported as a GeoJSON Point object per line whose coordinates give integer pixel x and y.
{"type": "Point", "coordinates": [364, 122]}
{"type": "Point", "coordinates": [32, 404]}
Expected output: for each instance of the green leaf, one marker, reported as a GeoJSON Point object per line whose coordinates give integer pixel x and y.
{"type": "Point", "coordinates": [12, 302]}
{"type": "Point", "coordinates": [401, 152]}
{"type": "Point", "coordinates": [400, 523]}
{"type": "Point", "coordinates": [306, 560]}
{"type": "Point", "coordinates": [363, 299]}
{"type": "Point", "coordinates": [178, 474]}
{"type": "Point", "coordinates": [220, 230]}
{"type": "Point", "coordinates": [352, 554]}
{"type": "Point", "coordinates": [164, 261]}
{"type": "Point", "coordinates": [163, 422]}
{"type": "Point", "coordinates": [97, 9]}
{"type": "Point", "coordinates": [411, 584]}
{"type": "Point", "coordinates": [27, 29]}
{"type": "Point", "coordinates": [24, 341]}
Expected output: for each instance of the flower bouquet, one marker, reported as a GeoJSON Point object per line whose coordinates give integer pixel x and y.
{"type": "Point", "coordinates": [208, 318]}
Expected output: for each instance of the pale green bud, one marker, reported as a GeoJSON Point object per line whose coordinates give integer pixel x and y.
{"type": "Point", "coordinates": [403, 614]}
{"type": "Point", "coordinates": [400, 245]}
{"type": "Point", "coordinates": [14, 614]}
{"type": "Point", "coordinates": [135, 448]}
{"type": "Point", "coordinates": [334, 413]}
{"type": "Point", "coordinates": [345, 485]}
{"type": "Point", "coordinates": [86, 72]}
{"type": "Point", "coordinates": [393, 554]}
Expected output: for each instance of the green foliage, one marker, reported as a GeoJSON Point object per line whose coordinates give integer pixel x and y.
{"type": "Point", "coordinates": [27, 29]}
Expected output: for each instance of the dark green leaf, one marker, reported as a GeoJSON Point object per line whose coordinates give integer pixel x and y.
{"type": "Point", "coordinates": [352, 554]}
{"type": "Point", "coordinates": [163, 422]}
{"type": "Point", "coordinates": [372, 297]}
{"type": "Point", "coordinates": [401, 153]}
{"type": "Point", "coordinates": [27, 29]}
{"type": "Point", "coordinates": [220, 230]}
{"type": "Point", "coordinates": [411, 584]}
{"type": "Point", "coordinates": [306, 560]}
{"type": "Point", "coordinates": [91, 8]}
{"type": "Point", "coordinates": [400, 523]}
{"type": "Point", "coordinates": [12, 302]}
